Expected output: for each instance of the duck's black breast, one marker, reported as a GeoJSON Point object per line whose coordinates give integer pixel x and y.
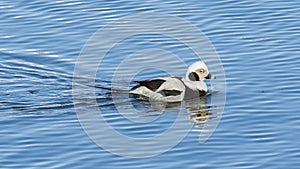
{"type": "Point", "coordinates": [189, 93]}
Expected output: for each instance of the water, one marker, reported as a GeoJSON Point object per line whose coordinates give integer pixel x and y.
{"type": "Point", "coordinates": [256, 41]}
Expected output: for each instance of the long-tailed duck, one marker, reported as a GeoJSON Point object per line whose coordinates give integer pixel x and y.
{"type": "Point", "coordinates": [175, 89]}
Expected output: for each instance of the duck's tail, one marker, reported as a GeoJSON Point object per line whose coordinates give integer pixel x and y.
{"type": "Point", "coordinates": [100, 84]}
{"type": "Point", "coordinates": [112, 90]}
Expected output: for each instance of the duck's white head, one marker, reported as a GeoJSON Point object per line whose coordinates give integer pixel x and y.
{"type": "Point", "coordinates": [198, 71]}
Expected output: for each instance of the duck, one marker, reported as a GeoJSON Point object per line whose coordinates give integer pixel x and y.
{"type": "Point", "coordinates": [175, 89]}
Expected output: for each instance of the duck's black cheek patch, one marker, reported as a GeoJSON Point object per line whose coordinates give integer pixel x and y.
{"type": "Point", "coordinates": [170, 92]}
{"type": "Point", "coordinates": [193, 76]}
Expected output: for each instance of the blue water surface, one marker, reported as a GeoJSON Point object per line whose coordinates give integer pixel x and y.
{"type": "Point", "coordinates": [257, 41]}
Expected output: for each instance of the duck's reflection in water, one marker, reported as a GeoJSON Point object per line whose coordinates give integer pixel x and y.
{"type": "Point", "coordinates": [199, 111]}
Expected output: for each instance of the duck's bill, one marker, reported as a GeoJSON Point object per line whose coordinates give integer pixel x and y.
{"type": "Point", "coordinates": [209, 76]}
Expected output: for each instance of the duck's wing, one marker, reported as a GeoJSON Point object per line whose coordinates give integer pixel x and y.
{"type": "Point", "coordinates": [152, 84]}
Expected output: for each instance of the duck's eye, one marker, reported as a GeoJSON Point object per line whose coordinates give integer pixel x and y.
{"type": "Point", "coordinates": [201, 71]}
